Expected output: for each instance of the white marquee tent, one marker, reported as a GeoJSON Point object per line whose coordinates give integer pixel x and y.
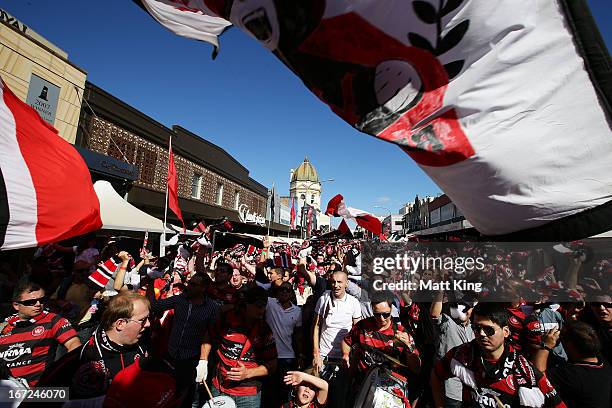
{"type": "Point", "coordinates": [118, 214]}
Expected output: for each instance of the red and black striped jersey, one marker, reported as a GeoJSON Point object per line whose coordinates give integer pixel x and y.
{"type": "Point", "coordinates": [28, 346]}
{"type": "Point", "coordinates": [366, 333]}
{"type": "Point", "coordinates": [237, 343]}
{"type": "Point", "coordinates": [508, 382]}
{"type": "Point", "coordinates": [516, 323]}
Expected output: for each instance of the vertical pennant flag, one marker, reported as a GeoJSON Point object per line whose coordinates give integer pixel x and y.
{"type": "Point", "coordinates": [173, 202]}
{"type": "Point", "coordinates": [482, 94]}
{"type": "Point", "coordinates": [46, 193]}
{"type": "Point", "coordinates": [293, 213]}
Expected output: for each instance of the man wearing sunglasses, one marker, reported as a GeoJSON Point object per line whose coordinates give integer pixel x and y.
{"type": "Point", "coordinates": [30, 338]}
{"type": "Point", "coordinates": [492, 372]}
{"type": "Point", "coordinates": [379, 333]}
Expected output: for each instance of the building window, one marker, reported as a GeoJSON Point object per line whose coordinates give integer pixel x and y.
{"type": "Point", "coordinates": [219, 199]}
{"type": "Point", "coordinates": [236, 199]}
{"type": "Point", "coordinates": [312, 199]}
{"type": "Point", "coordinates": [196, 185]}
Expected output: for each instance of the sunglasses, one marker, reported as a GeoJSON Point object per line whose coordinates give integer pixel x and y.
{"type": "Point", "coordinates": [607, 305]}
{"type": "Point", "coordinates": [141, 322]}
{"type": "Point", "coordinates": [32, 302]}
{"type": "Point", "coordinates": [383, 315]}
{"type": "Point", "coordinates": [488, 330]}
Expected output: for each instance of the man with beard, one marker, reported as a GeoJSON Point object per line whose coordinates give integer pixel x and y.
{"type": "Point", "coordinates": [379, 333]}
{"type": "Point", "coordinates": [452, 330]}
{"type": "Point", "coordinates": [493, 374]}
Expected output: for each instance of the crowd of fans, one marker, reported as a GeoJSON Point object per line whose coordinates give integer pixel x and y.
{"type": "Point", "coordinates": [299, 325]}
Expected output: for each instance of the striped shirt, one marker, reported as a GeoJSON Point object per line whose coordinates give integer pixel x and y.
{"type": "Point", "coordinates": [365, 336]}
{"type": "Point", "coordinates": [251, 347]}
{"type": "Point", "coordinates": [28, 346]}
{"type": "Point", "coordinates": [189, 324]}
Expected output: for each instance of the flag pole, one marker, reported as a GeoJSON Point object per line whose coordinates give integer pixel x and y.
{"type": "Point", "coordinates": [271, 208]}
{"type": "Point", "coordinates": [162, 247]}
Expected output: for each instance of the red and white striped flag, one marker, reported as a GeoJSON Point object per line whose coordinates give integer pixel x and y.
{"type": "Point", "coordinates": [337, 208]}
{"type": "Point", "coordinates": [46, 193]}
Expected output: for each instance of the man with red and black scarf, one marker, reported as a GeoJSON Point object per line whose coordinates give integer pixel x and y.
{"type": "Point", "coordinates": [493, 373]}
{"type": "Point", "coordinates": [374, 337]}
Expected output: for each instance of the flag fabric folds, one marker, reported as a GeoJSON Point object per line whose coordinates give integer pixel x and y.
{"type": "Point", "coordinates": [187, 20]}
{"type": "Point", "coordinates": [46, 192]}
{"type": "Point", "coordinates": [173, 202]}
{"type": "Point", "coordinates": [504, 104]}
{"type": "Point", "coordinates": [337, 208]}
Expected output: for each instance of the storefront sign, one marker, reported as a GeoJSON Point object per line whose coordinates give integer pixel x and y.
{"type": "Point", "coordinates": [43, 97]}
{"type": "Point", "coordinates": [249, 217]}
{"type": "Point", "coordinates": [108, 165]}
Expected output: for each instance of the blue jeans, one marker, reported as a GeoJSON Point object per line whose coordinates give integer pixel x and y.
{"type": "Point", "coordinates": [247, 401]}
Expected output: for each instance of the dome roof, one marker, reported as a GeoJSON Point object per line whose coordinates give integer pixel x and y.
{"type": "Point", "coordinates": [305, 172]}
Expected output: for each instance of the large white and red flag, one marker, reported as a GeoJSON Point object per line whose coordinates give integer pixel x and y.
{"type": "Point", "coordinates": [337, 208]}
{"type": "Point", "coordinates": [506, 105]}
{"type": "Point", "coordinates": [46, 193]}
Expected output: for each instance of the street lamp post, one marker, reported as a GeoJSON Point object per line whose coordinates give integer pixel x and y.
{"type": "Point", "coordinates": [310, 183]}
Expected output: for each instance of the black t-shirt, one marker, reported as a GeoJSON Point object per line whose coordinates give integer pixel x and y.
{"type": "Point", "coordinates": [584, 385]}
{"type": "Point", "coordinates": [319, 288]}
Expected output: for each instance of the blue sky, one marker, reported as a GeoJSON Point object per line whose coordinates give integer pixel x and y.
{"type": "Point", "coordinates": [245, 101]}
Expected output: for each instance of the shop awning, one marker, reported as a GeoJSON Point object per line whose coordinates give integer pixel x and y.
{"type": "Point", "coordinates": [118, 214]}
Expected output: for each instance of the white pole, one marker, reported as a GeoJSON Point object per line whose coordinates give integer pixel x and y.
{"type": "Point", "coordinates": [162, 244]}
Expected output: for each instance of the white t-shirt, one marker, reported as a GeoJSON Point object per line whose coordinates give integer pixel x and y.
{"type": "Point", "coordinates": [283, 322]}
{"type": "Point", "coordinates": [337, 320]}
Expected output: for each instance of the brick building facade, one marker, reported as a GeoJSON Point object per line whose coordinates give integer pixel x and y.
{"type": "Point", "coordinates": [211, 182]}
